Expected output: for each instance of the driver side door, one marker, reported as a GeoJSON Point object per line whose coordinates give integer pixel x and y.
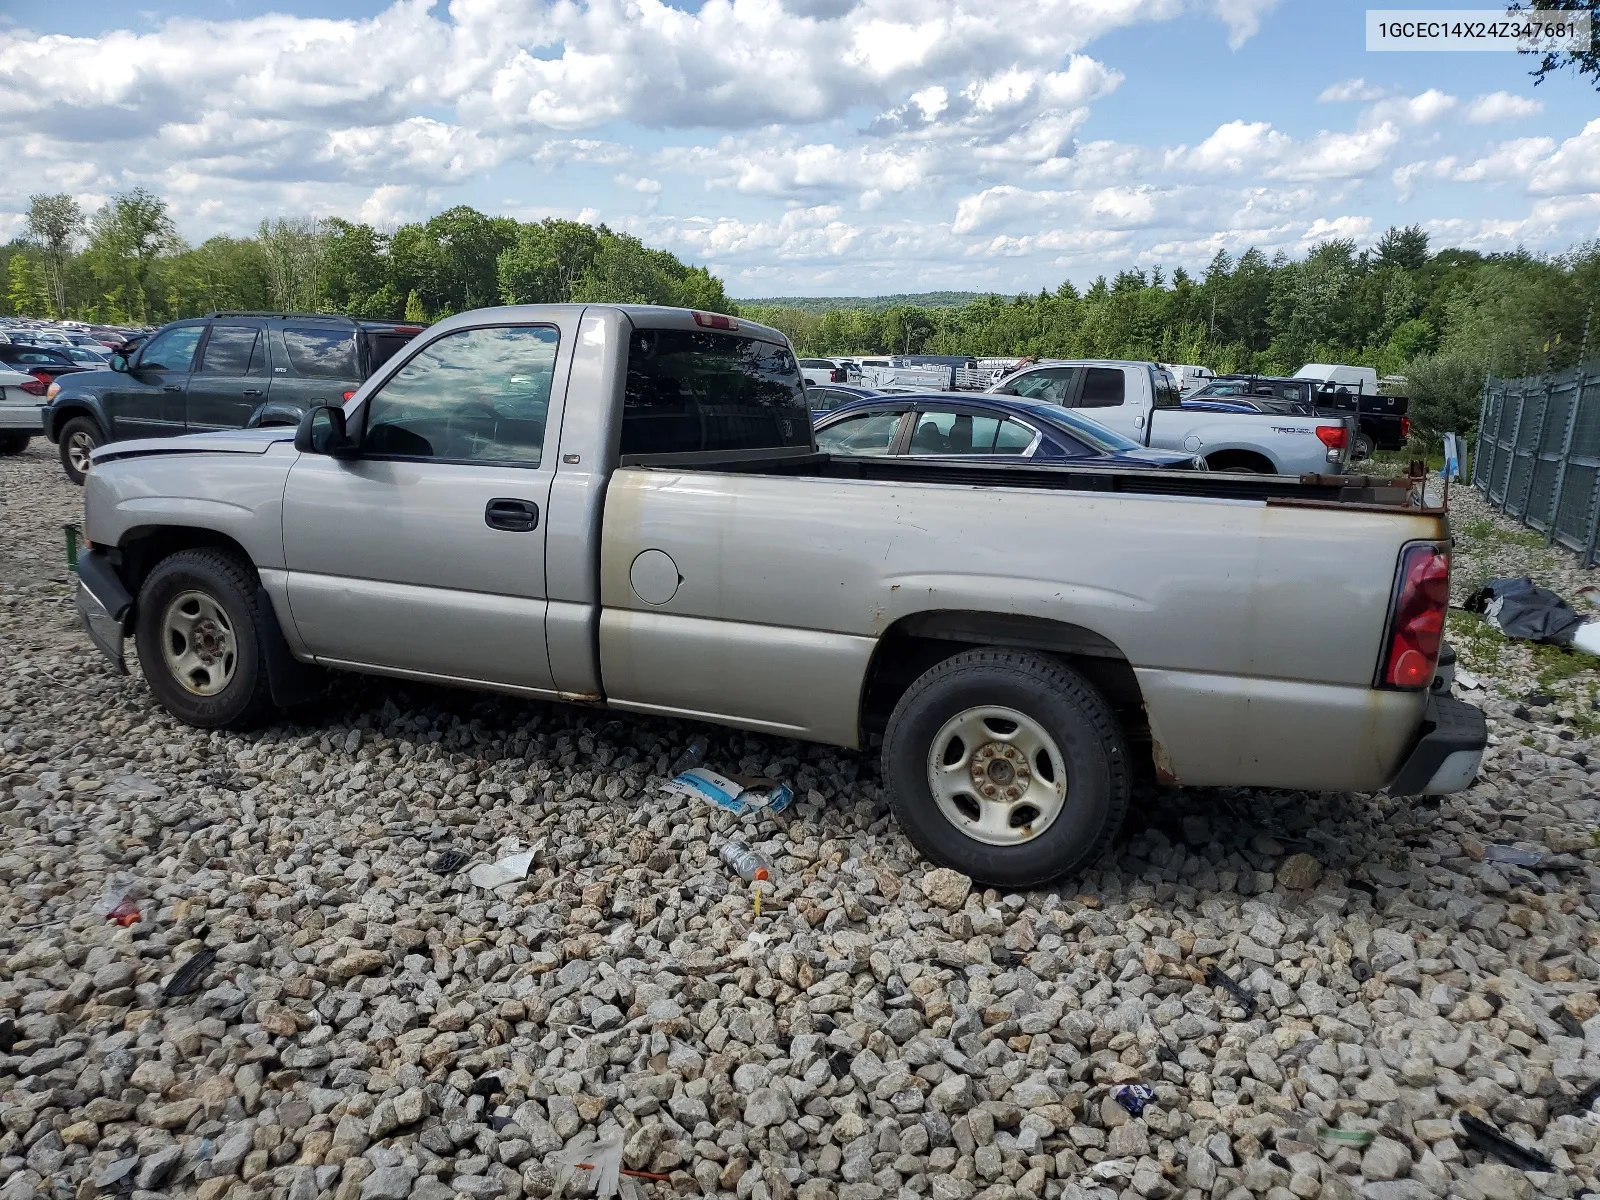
{"type": "Point", "coordinates": [148, 399]}
{"type": "Point", "coordinates": [424, 555]}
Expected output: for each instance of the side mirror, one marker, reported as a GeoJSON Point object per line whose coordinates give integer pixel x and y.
{"type": "Point", "coordinates": [322, 431]}
{"type": "Point", "coordinates": [119, 362]}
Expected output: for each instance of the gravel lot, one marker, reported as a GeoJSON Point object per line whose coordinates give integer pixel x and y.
{"type": "Point", "coordinates": [372, 1029]}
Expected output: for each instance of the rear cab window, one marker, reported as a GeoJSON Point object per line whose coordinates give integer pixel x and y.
{"type": "Point", "coordinates": [704, 392]}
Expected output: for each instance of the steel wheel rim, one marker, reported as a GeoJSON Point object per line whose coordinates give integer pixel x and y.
{"type": "Point", "coordinates": [198, 643]}
{"type": "Point", "coordinates": [79, 448]}
{"type": "Point", "coordinates": [997, 775]}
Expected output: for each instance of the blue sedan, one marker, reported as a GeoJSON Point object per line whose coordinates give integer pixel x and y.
{"type": "Point", "coordinates": [997, 428]}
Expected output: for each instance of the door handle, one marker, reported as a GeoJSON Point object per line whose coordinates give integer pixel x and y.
{"type": "Point", "coordinates": [514, 516]}
{"type": "Point", "coordinates": [251, 392]}
{"type": "Point", "coordinates": [173, 387]}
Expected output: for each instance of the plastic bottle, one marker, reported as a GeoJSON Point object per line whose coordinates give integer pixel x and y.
{"type": "Point", "coordinates": [746, 863]}
{"type": "Point", "coordinates": [693, 755]}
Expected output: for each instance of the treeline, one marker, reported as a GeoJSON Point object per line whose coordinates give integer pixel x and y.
{"type": "Point", "coordinates": [126, 264]}
{"type": "Point", "coordinates": [1441, 319]}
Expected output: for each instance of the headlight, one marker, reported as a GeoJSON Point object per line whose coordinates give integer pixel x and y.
{"type": "Point", "coordinates": [51, 392]}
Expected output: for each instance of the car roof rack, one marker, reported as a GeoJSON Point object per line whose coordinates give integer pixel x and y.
{"type": "Point", "coordinates": [242, 312]}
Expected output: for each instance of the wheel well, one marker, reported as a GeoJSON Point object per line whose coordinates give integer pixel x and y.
{"type": "Point", "coordinates": [60, 416]}
{"type": "Point", "coordinates": [1236, 460]}
{"type": "Point", "coordinates": [913, 644]}
{"type": "Point", "coordinates": [142, 549]}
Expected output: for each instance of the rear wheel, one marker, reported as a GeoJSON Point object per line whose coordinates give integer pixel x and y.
{"type": "Point", "coordinates": [14, 443]}
{"type": "Point", "coordinates": [79, 438]}
{"type": "Point", "coordinates": [202, 640]}
{"type": "Point", "coordinates": [1008, 766]}
{"type": "Point", "coordinates": [1362, 447]}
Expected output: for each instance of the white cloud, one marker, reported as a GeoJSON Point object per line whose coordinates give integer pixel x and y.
{"type": "Point", "coordinates": [1350, 90]}
{"type": "Point", "coordinates": [756, 167]}
{"type": "Point", "coordinates": [1241, 147]}
{"type": "Point", "coordinates": [1502, 106]}
{"type": "Point", "coordinates": [1574, 168]}
{"type": "Point", "coordinates": [1235, 147]}
{"type": "Point", "coordinates": [644, 185]}
{"type": "Point", "coordinates": [1242, 17]}
{"type": "Point", "coordinates": [1422, 109]}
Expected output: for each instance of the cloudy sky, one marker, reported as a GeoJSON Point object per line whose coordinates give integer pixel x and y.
{"type": "Point", "coordinates": [806, 146]}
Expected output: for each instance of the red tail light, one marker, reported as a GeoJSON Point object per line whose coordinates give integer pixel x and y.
{"type": "Point", "coordinates": [350, 393]}
{"type": "Point", "coordinates": [1422, 597]}
{"type": "Point", "coordinates": [1334, 437]}
{"type": "Point", "coordinates": [715, 321]}
{"type": "Point", "coordinates": [408, 328]}
{"type": "Point", "coordinates": [40, 384]}
{"type": "Point", "coordinates": [1405, 428]}
{"type": "Point", "coordinates": [836, 376]}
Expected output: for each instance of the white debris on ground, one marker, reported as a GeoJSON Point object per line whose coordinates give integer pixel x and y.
{"type": "Point", "coordinates": [371, 1030]}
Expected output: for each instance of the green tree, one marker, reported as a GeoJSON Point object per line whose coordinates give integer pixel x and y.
{"type": "Point", "coordinates": [125, 239]}
{"type": "Point", "coordinates": [1584, 60]}
{"type": "Point", "coordinates": [1407, 248]}
{"type": "Point", "coordinates": [545, 262]}
{"type": "Point", "coordinates": [25, 292]}
{"type": "Point", "coordinates": [54, 223]}
{"type": "Point", "coordinates": [414, 311]}
{"type": "Point", "coordinates": [293, 249]}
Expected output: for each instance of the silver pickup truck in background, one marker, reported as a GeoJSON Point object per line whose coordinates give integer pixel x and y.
{"type": "Point", "coordinates": [1141, 400]}
{"type": "Point", "coordinates": [624, 506]}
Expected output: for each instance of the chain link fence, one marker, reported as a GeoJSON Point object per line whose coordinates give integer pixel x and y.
{"type": "Point", "coordinates": [1538, 454]}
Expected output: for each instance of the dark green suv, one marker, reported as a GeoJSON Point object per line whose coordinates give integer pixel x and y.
{"type": "Point", "coordinates": [226, 370]}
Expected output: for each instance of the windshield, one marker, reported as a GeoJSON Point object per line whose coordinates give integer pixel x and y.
{"type": "Point", "coordinates": [1107, 441]}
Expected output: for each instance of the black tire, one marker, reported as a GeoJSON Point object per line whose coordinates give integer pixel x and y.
{"type": "Point", "coordinates": [246, 698]}
{"type": "Point", "coordinates": [1070, 710]}
{"type": "Point", "coordinates": [14, 443]}
{"type": "Point", "coordinates": [75, 434]}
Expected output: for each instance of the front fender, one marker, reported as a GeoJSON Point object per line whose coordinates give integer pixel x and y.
{"type": "Point", "coordinates": [63, 408]}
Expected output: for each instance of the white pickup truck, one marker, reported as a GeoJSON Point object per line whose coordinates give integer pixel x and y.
{"type": "Point", "coordinates": [1141, 400]}
{"type": "Point", "coordinates": [624, 506]}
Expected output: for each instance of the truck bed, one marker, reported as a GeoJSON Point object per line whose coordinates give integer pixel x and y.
{"type": "Point", "coordinates": [1384, 492]}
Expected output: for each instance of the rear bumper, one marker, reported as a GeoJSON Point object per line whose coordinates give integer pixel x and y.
{"type": "Point", "coordinates": [22, 418]}
{"type": "Point", "coordinates": [1448, 755]}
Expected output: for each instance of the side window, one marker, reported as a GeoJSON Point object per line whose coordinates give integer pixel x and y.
{"type": "Point", "coordinates": [321, 353]}
{"type": "Point", "coordinates": [1049, 386]}
{"type": "Point", "coordinates": [172, 350]}
{"type": "Point", "coordinates": [1012, 438]}
{"type": "Point", "coordinates": [1103, 387]}
{"type": "Point", "coordinates": [866, 433]}
{"type": "Point", "coordinates": [476, 395]}
{"type": "Point", "coordinates": [232, 350]}
{"type": "Point", "coordinates": [826, 399]}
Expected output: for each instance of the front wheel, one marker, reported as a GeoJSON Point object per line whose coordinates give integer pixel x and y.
{"type": "Point", "coordinates": [1008, 766]}
{"type": "Point", "coordinates": [79, 439]}
{"type": "Point", "coordinates": [202, 640]}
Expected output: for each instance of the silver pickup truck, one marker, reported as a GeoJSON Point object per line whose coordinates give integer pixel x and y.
{"type": "Point", "coordinates": [623, 506]}
{"type": "Point", "coordinates": [1141, 400]}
